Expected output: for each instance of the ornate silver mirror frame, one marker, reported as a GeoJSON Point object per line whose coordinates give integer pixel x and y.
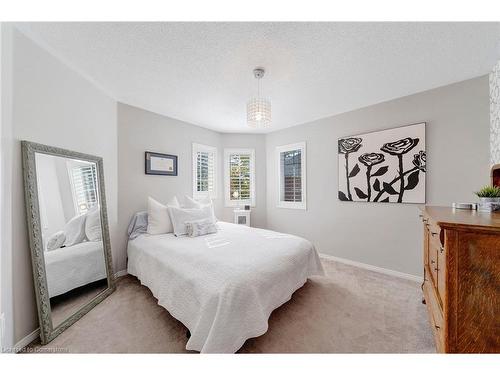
{"type": "Point", "coordinates": [29, 149]}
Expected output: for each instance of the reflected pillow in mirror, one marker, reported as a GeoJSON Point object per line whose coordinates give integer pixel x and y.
{"type": "Point", "coordinates": [158, 218]}
{"type": "Point", "coordinates": [75, 230]}
{"type": "Point", "coordinates": [55, 241]}
{"type": "Point", "coordinates": [93, 225]}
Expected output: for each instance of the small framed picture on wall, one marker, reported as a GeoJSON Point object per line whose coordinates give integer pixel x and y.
{"type": "Point", "coordinates": [161, 164]}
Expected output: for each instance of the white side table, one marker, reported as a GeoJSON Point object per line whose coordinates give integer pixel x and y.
{"type": "Point", "coordinates": [242, 217]}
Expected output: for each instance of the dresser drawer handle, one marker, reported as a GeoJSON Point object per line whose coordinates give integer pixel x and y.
{"type": "Point", "coordinates": [437, 327]}
{"type": "Point", "coordinates": [441, 249]}
{"type": "Point", "coordinates": [434, 233]}
{"type": "Point", "coordinates": [436, 269]}
{"type": "Point", "coordinates": [433, 261]}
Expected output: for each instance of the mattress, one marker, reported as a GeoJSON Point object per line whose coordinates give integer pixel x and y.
{"type": "Point", "coordinates": [223, 286]}
{"type": "Point", "coordinates": [70, 267]}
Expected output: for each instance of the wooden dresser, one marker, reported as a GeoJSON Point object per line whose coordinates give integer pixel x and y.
{"type": "Point", "coordinates": [462, 279]}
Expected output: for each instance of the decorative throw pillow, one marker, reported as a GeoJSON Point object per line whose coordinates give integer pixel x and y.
{"type": "Point", "coordinates": [75, 230]}
{"type": "Point", "coordinates": [158, 217]}
{"type": "Point", "coordinates": [93, 225]}
{"type": "Point", "coordinates": [197, 228]}
{"type": "Point", "coordinates": [179, 216]}
{"type": "Point", "coordinates": [55, 241]}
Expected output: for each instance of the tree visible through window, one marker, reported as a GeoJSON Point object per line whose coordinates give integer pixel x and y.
{"type": "Point", "coordinates": [239, 176]}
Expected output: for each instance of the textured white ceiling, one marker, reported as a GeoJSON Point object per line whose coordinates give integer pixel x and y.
{"type": "Point", "coordinates": [202, 72]}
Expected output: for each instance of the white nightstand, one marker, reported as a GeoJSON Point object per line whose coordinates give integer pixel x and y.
{"type": "Point", "coordinates": [242, 217]}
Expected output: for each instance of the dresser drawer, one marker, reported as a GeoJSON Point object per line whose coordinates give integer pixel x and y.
{"type": "Point", "coordinates": [435, 315]}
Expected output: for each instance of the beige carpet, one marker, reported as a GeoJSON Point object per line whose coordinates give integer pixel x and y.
{"type": "Point", "coordinates": [350, 311]}
{"type": "Point", "coordinates": [65, 305]}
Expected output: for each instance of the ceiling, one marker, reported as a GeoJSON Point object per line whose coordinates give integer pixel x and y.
{"type": "Point", "coordinates": [202, 72]}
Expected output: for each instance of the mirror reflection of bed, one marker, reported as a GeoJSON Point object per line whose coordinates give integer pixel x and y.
{"type": "Point", "coordinates": [71, 233]}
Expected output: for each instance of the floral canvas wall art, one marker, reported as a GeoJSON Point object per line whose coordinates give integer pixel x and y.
{"type": "Point", "coordinates": [383, 166]}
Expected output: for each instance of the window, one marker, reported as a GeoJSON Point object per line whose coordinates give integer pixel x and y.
{"type": "Point", "coordinates": [204, 171]}
{"type": "Point", "coordinates": [292, 175]}
{"type": "Point", "coordinates": [83, 177]}
{"type": "Point", "coordinates": [239, 177]}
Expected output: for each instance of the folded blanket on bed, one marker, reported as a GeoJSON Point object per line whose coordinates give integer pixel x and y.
{"type": "Point", "coordinates": [138, 225]}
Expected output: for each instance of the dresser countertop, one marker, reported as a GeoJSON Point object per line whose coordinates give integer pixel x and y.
{"type": "Point", "coordinates": [448, 217]}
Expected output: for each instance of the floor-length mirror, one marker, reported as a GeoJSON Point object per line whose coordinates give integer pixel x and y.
{"type": "Point", "coordinates": [68, 234]}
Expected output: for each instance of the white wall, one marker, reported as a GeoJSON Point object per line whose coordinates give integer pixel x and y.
{"type": "Point", "coordinates": [495, 115]}
{"type": "Point", "coordinates": [53, 105]}
{"type": "Point", "coordinates": [6, 293]}
{"type": "Point", "coordinates": [386, 235]}
{"type": "Point", "coordinates": [139, 131]}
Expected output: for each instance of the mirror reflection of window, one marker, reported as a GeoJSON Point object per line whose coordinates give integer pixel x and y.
{"type": "Point", "coordinates": [83, 178]}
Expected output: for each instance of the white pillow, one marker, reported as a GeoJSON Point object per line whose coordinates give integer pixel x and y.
{"type": "Point", "coordinates": [75, 230]}
{"type": "Point", "coordinates": [190, 202]}
{"type": "Point", "coordinates": [201, 203]}
{"type": "Point", "coordinates": [56, 241]}
{"type": "Point", "coordinates": [179, 216]}
{"type": "Point", "coordinates": [93, 225]}
{"type": "Point", "coordinates": [158, 218]}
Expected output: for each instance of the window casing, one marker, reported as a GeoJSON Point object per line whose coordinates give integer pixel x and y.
{"type": "Point", "coordinates": [204, 171]}
{"type": "Point", "coordinates": [292, 175]}
{"type": "Point", "coordinates": [239, 177]}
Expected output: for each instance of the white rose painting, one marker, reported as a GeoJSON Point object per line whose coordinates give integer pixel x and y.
{"type": "Point", "coordinates": [383, 166]}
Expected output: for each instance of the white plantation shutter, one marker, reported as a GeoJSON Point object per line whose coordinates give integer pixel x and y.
{"type": "Point", "coordinates": [84, 183]}
{"type": "Point", "coordinates": [292, 176]}
{"type": "Point", "coordinates": [204, 170]}
{"type": "Point", "coordinates": [239, 175]}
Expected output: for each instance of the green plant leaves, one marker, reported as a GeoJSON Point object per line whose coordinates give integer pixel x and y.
{"type": "Point", "coordinates": [488, 192]}
{"type": "Point", "coordinates": [354, 171]}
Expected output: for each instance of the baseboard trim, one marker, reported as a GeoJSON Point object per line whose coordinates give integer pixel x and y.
{"type": "Point", "coordinates": [25, 341]}
{"type": "Point", "coordinates": [370, 267]}
{"type": "Point", "coordinates": [121, 273]}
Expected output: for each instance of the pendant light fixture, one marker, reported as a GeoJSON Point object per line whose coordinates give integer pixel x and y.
{"type": "Point", "coordinates": [258, 109]}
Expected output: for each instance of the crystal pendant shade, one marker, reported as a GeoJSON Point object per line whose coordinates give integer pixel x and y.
{"type": "Point", "coordinates": [258, 113]}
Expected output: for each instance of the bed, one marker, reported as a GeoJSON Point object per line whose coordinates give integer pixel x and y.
{"type": "Point", "coordinates": [223, 286]}
{"type": "Point", "coordinates": [70, 267]}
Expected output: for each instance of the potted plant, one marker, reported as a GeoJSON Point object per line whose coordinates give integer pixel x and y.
{"type": "Point", "coordinates": [489, 198]}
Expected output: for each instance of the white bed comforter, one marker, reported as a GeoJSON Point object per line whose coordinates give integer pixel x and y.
{"type": "Point", "coordinates": [223, 286]}
{"type": "Point", "coordinates": [74, 266]}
